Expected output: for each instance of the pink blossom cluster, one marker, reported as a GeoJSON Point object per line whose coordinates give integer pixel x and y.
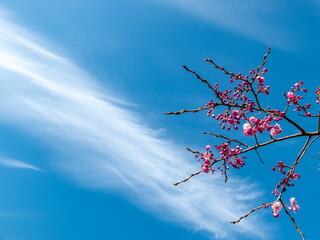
{"type": "Point", "coordinates": [228, 119]}
{"type": "Point", "coordinates": [261, 81]}
{"type": "Point", "coordinates": [229, 154]}
{"type": "Point", "coordinates": [294, 206]}
{"type": "Point", "coordinates": [286, 181]}
{"type": "Point", "coordinates": [276, 207]}
{"type": "Point", "coordinates": [206, 157]}
{"type": "Point", "coordinates": [236, 98]}
{"type": "Point", "coordinates": [255, 125]}
{"type": "Point", "coordinates": [276, 130]}
{"type": "Point", "coordinates": [293, 99]}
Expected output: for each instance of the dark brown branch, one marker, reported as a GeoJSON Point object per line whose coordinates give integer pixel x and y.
{"type": "Point", "coordinates": [200, 78]}
{"type": "Point", "coordinates": [225, 171]}
{"type": "Point", "coordinates": [244, 216]}
{"type": "Point", "coordinates": [259, 156]}
{"type": "Point", "coordinates": [195, 152]}
{"type": "Point", "coordinates": [224, 137]}
{"type": "Point", "coordinates": [300, 156]}
{"type": "Point", "coordinates": [311, 116]}
{"type": "Point", "coordinates": [221, 68]}
{"type": "Point", "coordinates": [292, 219]}
{"type": "Point", "coordinates": [294, 124]}
{"type": "Point", "coordinates": [319, 122]}
{"type": "Point", "coordinates": [193, 110]}
{"type": "Point", "coordinates": [253, 148]}
{"type": "Point", "coordinates": [193, 174]}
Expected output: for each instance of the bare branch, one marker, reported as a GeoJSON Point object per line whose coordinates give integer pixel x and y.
{"type": "Point", "coordinates": [191, 175]}
{"type": "Point", "coordinates": [259, 156]}
{"type": "Point", "coordinates": [200, 78]}
{"type": "Point", "coordinates": [224, 137]}
{"type": "Point", "coordinates": [319, 122]}
{"type": "Point", "coordinates": [221, 68]}
{"type": "Point", "coordinates": [246, 215]}
{"type": "Point", "coordinates": [193, 111]}
{"type": "Point", "coordinates": [195, 152]}
{"type": "Point", "coordinates": [263, 62]}
{"type": "Point", "coordinates": [292, 219]}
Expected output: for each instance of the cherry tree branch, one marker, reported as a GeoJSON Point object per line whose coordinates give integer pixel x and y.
{"type": "Point", "coordinates": [246, 215]}
{"type": "Point", "coordinates": [292, 219]}
{"type": "Point", "coordinates": [224, 137]}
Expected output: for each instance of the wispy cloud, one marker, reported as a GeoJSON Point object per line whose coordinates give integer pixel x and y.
{"type": "Point", "coordinates": [258, 20]}
{"type": "Point", "coordinates": [7, 162]}
{"type": "Point", "coordinates": [103, 145]}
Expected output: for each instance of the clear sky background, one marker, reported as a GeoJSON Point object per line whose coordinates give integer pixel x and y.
{"type": "Point", "coordinates": [86, 151]}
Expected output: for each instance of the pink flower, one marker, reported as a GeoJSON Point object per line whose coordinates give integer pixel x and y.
{"type": "Point", "coordinates": [276, 130]}
{"type": "Point", "coordinates": [276, 215]}
{"type": "Point", "coordinates": [276, 206]}
{"type": "Point", "coordinates": [293, 201]}
{"type": "Point", "coordinates": [260, 80]}
{"type": "Point", "coordinates": [246, 126]}
{"type": "Point", "coordinates": [252, 119]}
{"type": "Point", "coordinates": [230, 121]}
{"type": "Point", "coordinates": [295, 208]}
{"type": "Point", "coordinates": [205, 168]}
{"type": "Point", "coordinates": [248, 130]}
{"type": "Point", "coordinates": [208, 147]}
{"type": "Point", "coordinates": [235, 112]}
{"type": "Point", "coordinates": [294, 176]}
{"type": "Point", "coordinates": [290, 95]}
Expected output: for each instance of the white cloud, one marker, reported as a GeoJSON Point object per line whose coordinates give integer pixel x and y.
{"type": "Point", "coordinates": [105, 146]}
{"type": "Point", "coordinates": [259, 20]}
{"type": "Point", "coordinates": [12, 163]}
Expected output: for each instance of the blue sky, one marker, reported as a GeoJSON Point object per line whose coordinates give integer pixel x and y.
{"type": "Point", "coordinates": [86, 151]}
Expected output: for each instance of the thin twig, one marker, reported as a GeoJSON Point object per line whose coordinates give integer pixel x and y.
{"type": "Point", "coordinates": [195, 152]}
{"type": "Point", "coordinates": [200, 78]}
{"type": "Point", "coordinates": [185, 110]}
{"type": "Point", "coordinates": [224, 137]}
{"type": "Point", "coordinates": [225, 172]}
{"type": "Point", "coordinates": [191, 175]}
{"type": "Point", "coordinates": [246, 215]}
{"type": "Point", "coordinates": [319, 122]}
{"type": "Point", "coordinates": [221, 68]}
{"type": "Point", "coordinates": [263, 62]}
{"type": "Point", "coordinates": [259, 156]}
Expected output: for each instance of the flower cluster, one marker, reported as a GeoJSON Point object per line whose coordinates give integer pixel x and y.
{"type": "Point", "coordinates": [206, 157]}
{"type": "Point", "coordinates": [230, 155]}
{"type": "Point", "coordinates": [243, 107]}
{"type": "Point", "coordinates": [255, 125]}
{"type": "Point", "coordinates": [237, 98]}
{"type": "Point", "coordinates": [276, 207]}
{"type": "Point", "coordinates": [227, 153]}
{"type": "Point", "coordinates": [260, 79]}
{"type": "Point", "coordinates": [294, 206]}
{"type": "Point", "coordinates": [293, 99]}
{"type": "Point", "coordinates": [286, 181]}
{"type": "Point", "coordinates": [227, 119]}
